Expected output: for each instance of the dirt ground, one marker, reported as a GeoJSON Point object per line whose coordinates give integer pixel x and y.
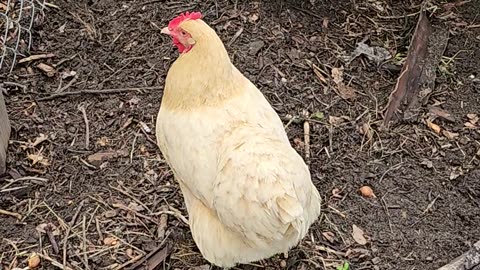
{"type": "Point", "coordinates": [108, 202]}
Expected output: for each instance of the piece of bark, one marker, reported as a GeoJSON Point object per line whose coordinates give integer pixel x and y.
{"type": "Point", "coordinates": [408, 82]}
{"type": "Point", "coordinates": [437, 43]}
{"type": "Point", "coordinates": [469, 260]}
{"type": "Point", "coordinates": [4, 134]}
{"type": "Point", "coordinates": [154, 259]}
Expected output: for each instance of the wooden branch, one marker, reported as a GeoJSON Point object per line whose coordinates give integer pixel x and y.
{"type": "Point", "coordinates": [4, 133]}
{"type": "Point", "coordinates": [469, 260]}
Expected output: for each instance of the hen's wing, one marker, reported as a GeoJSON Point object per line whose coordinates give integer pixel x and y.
{"type": "Point", "coordinates": [263, 187]}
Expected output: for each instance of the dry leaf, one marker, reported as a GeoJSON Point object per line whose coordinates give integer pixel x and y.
{"type": "Point", "coordinates": [450, 135]}
{"type": "Point", "coordinates": [38, 158]}
{"type": "Point", "coordinates": [39, 139]}
{"type": "Point", "coordinates": [473, 118]}
{"type": "Point", "coordinates": [110, 241]}
{"type": "Point", "coordinates": [337, 74]}
{"type": "Point", "coordinates": [103, 141]}
{"type": "Point", "coordinates": [346, 92]}
{"type": "Point", "coordinates": [358, 236]}
{"type": "Point", "coordinates": [335, 121]}
{"type": "Point", "coordinates": [427, 163]}
{"type": "Point", "coordinates": [329, 236]}
{"type": "Point", "coordinates": [434, 126]}
{"type": "Point", "coordinates": [49, 70]}
{"type": "Point", "coordinates": [42, 228]}
{"type": "Point", "coordinates": [253, 18]}
{"type": "Point", "coordinates": [469, 125]}
{"type": "Point", "coordinates": [367, 191]}
{"type": "Point", "coordinates": [135, 207]}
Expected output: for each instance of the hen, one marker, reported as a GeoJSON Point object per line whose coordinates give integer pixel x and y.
{"type": "Point", "coordinates": [248, 193]}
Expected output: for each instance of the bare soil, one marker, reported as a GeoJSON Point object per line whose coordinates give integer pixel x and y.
{"type": "Point", "coordinates": [110, 213]}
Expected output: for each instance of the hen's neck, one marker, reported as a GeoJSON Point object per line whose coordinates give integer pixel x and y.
{"type": "Point", "coordinates": [203, 77]}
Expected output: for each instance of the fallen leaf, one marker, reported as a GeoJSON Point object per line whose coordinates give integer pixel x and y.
{"type": "Point", "coordinates": [38, 158]}
{"type": "Point", "coordinates": [374, 53]}
{"type": "Point", "coordinates": [450, 135]}
{"type": "Point", "coordinates": [103, 141]}
{"type": "Point", "coordinates": [135, 207]}
{"type": "Point", "coordinates": [346, 92]}
{"type": "Point", "coordinates": [358, 235]}
{"type": "Point", "coordinates": [329, 236]}
{"type": "Point", "coordinates": [110, 241]}
{"type": "Point", "coordinates": [455, 173]}
{"type": "Point", "coordinates": [39, 139]}
{"type": "Point", "coordinates": [318, 115]}
{"type": "Point", "coordinates": [473, 118]}
{"type": "Point", "coordinates": [253, 18]}
{"type": "Point", "coordinates": [134, 101]}
{"type": "Point", "coordinates": [427, 163]}
{"type": "Point", "coordinates": [335, 120]}
{"type": "Point", "coordinates": [42, 228]}
{"type": "Point", "coordinates": [337, 74]}
{"type": "Point", "coordinates": [469, 125]}
{"type": "Point", "coordinates": [434, 126]}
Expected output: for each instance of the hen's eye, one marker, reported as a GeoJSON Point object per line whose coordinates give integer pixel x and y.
{"type": "Point", "coordinates": [183, 33]}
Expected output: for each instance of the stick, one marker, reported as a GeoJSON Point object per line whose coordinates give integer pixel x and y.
{"type": "Point", "coordinates": [8, 213]}
{"type": "Point", "coordinates": [306, 130]}
{"type": "Point", "coordinates": [460, 262]}
{"type": "Point", "coordinates": [87, 129]}
{"type": "Point", "coordinates": [104, 91]}
{"type": "Point", "coordinates": [72, 222]}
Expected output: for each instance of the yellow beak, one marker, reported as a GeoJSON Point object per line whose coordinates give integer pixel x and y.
{"type": "Point", "coordinates": [165, 31]}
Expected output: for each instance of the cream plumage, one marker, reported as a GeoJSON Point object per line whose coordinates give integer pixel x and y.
{"type": "Point", "coordinates": [248, 193]}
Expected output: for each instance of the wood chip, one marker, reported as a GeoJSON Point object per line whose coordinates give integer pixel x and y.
{"type": "Point", "coordinates": [48, 70]}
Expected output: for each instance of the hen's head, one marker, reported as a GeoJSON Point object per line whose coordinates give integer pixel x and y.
{"type": "Point", "coordinates": [182, 35]}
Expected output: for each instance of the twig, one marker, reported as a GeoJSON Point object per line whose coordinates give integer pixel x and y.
{"type": "Point", "coordinates": [132, 260]}
{"type": "Point", "coordinates": [8, 213]}
{"type": "Point", "coordinates": [54, 262]}
{"type": "Point", "coordinates": [133, 145]}
{"type": "Point", "coordinates": [36, 57]}
{"type": "Point", "coordinates": [87, 129]}
{"type": "Point", "coordinates": [51, 238]}
{"type": "Point", "coordinates": [84, 236]}
{"type": "Point", "coordinates": [173, 213]}
{"type": "Point", "coordinates": [237, 34]}
{"type": "Point", "coordinates": [65, 240]}
{"type": "Point", "coordinates": [104, 91]}
{"type": "Point", "coordinates": [306, 130]}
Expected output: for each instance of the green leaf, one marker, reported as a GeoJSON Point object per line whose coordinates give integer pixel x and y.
{"type": "Point", "coordinates": [318, 115]}
{"type": "Point", "coordinates": [345, 266]}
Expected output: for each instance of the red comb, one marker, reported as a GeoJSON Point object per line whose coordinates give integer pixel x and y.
{"type": "Point", "coordinates": [182, 17]}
